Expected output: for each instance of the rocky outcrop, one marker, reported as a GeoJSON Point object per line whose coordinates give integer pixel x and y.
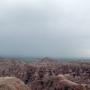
{"type": "Point", "coordinates": [12, 83]}
{"type": "Point", "coordinates": [46, 74]}
{"type": "Point", "coordinates": [56, 83]}
{"type": "Point", "coordinates": [16, 68]}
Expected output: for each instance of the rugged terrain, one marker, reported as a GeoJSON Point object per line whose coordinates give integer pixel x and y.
{"type": "Point", "coordinates": [48, 74]}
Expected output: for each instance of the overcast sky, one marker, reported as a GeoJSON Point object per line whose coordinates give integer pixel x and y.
{"type": "Point", "coordinates": [39, 28]}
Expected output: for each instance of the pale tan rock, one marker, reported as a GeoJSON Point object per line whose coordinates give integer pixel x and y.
{"type": "Point", "coordinates": [12, 83]}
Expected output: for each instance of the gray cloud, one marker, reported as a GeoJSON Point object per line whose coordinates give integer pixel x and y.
{"type": "Point", "coordinates": [55, 28]}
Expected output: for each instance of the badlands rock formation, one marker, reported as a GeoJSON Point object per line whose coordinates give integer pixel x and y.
{"type": "Point", "coordinates": [12, 83]}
